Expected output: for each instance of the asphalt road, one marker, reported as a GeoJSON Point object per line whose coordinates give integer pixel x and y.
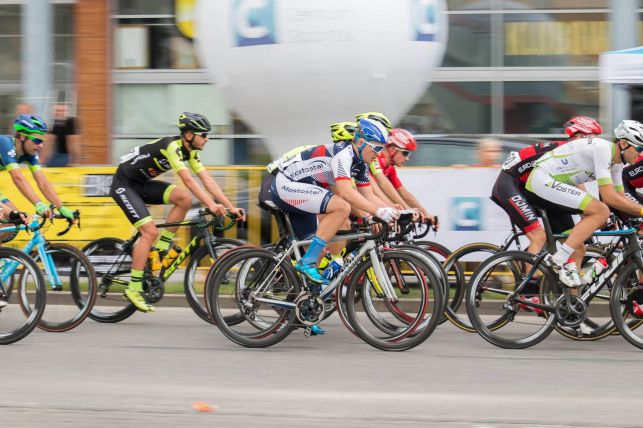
{"type": "Point", "coordinates": [148, 370]}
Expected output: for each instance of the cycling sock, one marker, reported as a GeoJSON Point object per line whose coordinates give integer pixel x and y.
{"type": "Point", "coordinates": [562, 255]}
{"type": "Point", "coordinates": [164, 241]}
{"type": "Point", "coordinates": [314, 250]}
{"type": "Point", "coordinates": [136, 280]}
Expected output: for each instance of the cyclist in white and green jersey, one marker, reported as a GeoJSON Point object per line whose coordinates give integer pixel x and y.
{"type": "Point", "coordinates": [553, 185]}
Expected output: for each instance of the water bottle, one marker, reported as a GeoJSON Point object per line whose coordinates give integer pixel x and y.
{"type": "Point", "coordinates": [351, 256]}
{"type": "Point", "coordinates": [596, 266]}
{"type": "Point", "coordinates": [154, 259]}
{"type": "Point", "coordinates": [333, 268]}
{"type": "Point", "coordinates": [171, 256]}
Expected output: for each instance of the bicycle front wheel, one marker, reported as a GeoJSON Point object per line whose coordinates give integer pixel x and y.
{"type": "Point", "coordinates": [625, 296]}
{"type": "Point", "coordinates": [22, 283]}
{"type": "Point", "coordinates": [73, 293]}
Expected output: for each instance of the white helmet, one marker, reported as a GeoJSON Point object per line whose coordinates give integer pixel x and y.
{"type": "Point", "coordinates": [630, 130]}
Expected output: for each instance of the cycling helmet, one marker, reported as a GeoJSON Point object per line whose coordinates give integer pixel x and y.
{"type": "Point", "coordinates": [402, 139]}
{"type": "Point", "coordinates": [342, 131]}
{"type": "Point", "coordinates": [29, 124]}
{"type": "Point", "coordinates": [630, 130]}
{"type": "Point", "coordinates": [379, 117]}
{"type": "Point", "coordinates": [371, 131]}
{"type": "Point", "coordinates": [582, 125]}
{"type": "Point", "coordinates": [193, 122]}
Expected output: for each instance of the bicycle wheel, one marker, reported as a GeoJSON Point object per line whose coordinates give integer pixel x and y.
{"type": "Point", "coordinates": [22, 284]}
{"type": "Point", "coordinates": [112, 264]}
{"type": "Point", "coordinates": [459, 266]}
{"type": "Point", "coordinates": [196, 274]}
{"type": "Point", "coordinates": [627, 292]}
{"type": "Point", "coordinates": [265, 322]}
{"type": "Point", "coordinates": [72, 298]}
{"type": "Point", "coordinates": [396, 324]}
{"type": "Point", "coordinates": [493, 310]}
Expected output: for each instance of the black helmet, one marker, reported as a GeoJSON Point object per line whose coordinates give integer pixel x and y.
{"type": "Point", "coordinates": [193, 122]}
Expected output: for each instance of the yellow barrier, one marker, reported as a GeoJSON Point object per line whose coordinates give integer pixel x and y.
{"type": "Point", "coordinates": [87, 189]}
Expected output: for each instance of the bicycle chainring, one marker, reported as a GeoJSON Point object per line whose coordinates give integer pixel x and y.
{"type": "Point", "coordinates": [153, 289]}
{"type": "Point", "coordinates": [309, 309]}
{"type": "Point", "coordinates": [571, 311]}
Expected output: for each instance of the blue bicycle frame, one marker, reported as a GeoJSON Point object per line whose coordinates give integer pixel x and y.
{"type": "Point", "coordinates": [37, 241]}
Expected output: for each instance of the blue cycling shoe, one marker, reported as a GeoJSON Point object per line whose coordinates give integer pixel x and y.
{"type": "Point", "coordinates": [311, 272]}
{"type": "Point", "coordinates": [317, 330]}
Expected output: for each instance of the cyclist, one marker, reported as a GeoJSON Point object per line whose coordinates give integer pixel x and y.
{"type": "Point", "coordinates": [318, 180]}
{"type": "Point", "coordinates": [633, 173]}
{"type": "Point", "coordinates": [553, 183]}
{"type": "Point", "coordinates": [508, 190]}
{"type": "Point", "coordinates": [24, 147]}
{"type": "Point", "coordinates": [133, 187]}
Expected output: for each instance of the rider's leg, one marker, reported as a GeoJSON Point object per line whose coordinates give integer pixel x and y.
{"type": "Point", "coordinates": [181, 202]}
{"type": "Point", "coordinates": [537, 239]}
{"type": "Point", "coordinates": [595, 215]}
{"type": "Point", "coordinates": [149, 234]}
{"type": "Point", "coordinates": [337, 212]}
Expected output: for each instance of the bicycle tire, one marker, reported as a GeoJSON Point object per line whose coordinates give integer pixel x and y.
{"type": "Point", "coordinates": [494, 330]}
{"type": "Point", "coordinates": [67, 257]}
{"type": "Point", "coordinates": [285, 319]}
{"type": "Point", "coordinates": [27, 274]}
{"type": "Point", "coordinates": [201, 260]}
{"type": "Point", "coordinates": [104, 253]}
{"type": "Point", "coordinates": [625, 288]}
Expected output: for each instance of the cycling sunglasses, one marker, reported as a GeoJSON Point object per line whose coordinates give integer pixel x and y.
{"type": "Point", "coordinates": [639, 149]}
{"type": "Point", "coordinates": [35, 139]}
{"type": "Point", "coordinates": [204, 135]}
{"type": "Point", "coordinates": [405, 153]}
{"type": "Point", "coordinates": [377, 148]}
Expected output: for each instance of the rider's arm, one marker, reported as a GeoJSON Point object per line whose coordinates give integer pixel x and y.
{"type": "Point", "coordinates": [214, 189]}
{"type": "Point", "coordinates": [197, 191]}
{"type": "Point", "coordinates": [606, 185]}
{"type": "Point", "coordinates": [411, 200]}
{"type": "Point", "coordinates": [23, 186]}
{"type": "Point", "coordinates": [389, 190]}
{"type": "Point", "coordinates": [377, 190]}
{"type": "Point", "coordinates": [46, 188]}
{"type": "Point", "coordinates": [345, 190]}
{"type": "Point", "coordinates": [618, 201]}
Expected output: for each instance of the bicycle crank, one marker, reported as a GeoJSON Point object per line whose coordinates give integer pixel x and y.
{"type": "Point", "coordinates": [153, 289]}
{"type": "Point", "coordinates": [309, 309]}
{"type": "Point", "coordinates": [571, 311]}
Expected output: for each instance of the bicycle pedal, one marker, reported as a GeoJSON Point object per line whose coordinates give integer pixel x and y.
{"type": "Point", "coordinates": [57, 287]}
{"type": "Point", "coordinates": [307, 331]}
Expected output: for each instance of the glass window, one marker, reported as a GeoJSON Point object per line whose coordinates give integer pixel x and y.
{"type": "Point", "coordinates": [451, 108]}
{"type": "Point", "coordinates": [469, 4]}
{"type": "Point", "coordinates": [542, 107]}
{"type": "Point", "coordinates": [10, 20]}
{"type": "Point", "coordinates": [555, 4]}
{"type": "Point", "coordinates": [556, 39]}
{"type": "Point", "coordinates": [469, 43]}
{"type": "Point", "coordinates": [64, 19]}
{"type": "Point", "coordinates": [10, 58]}
{"type": "Point", "coordinates": [145, 7]}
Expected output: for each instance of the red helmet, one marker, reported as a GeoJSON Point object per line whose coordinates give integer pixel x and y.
{"type": "Point", "coordinates": [582, 125]}
{"type": "Point", "coordinates": [402, 139]}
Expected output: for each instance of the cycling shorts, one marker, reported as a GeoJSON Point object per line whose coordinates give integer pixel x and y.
{"type": "Point", "coordinates": [563, 197]}
{"type": "Point", "coordinates": [131, 196]}
{"type": "Point", "coordinates": [508, 194]}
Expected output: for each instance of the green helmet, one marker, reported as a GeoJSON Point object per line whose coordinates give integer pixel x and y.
{"type": "Point", "coordinates": [378, 117]}
{"type": "Point", "coordinates": [193, 122]}
{"type": "Point", "coordinates": [342, 131]}
{"type": "Point", "coordinates": [29, 124]}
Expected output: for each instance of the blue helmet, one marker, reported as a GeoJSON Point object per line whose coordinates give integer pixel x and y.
{"type": "Point", "coordinates": [30, 124]}
{"type": "Point", "coordinates": [371, 130]}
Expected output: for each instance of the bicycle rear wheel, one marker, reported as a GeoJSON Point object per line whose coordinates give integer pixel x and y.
{"type": "Point", "coordinates": [492, 306]}
{"type": "Point", "coordinates": [396, 324]}
{"type": "Point", "coordinates": [236, 287]}
{"type": "Point", "coordinates": [71, 301]}
{"type": "Point", "coordinates": [23, 284]}
{"type": "Point", "coordinates": [112, 263]}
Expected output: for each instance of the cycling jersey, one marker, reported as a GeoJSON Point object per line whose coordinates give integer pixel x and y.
{"type": "Point", "coordinates": [9, 159]}
{"type": "Point", "coordinates": [150, 160]}
{"type": "Point", "coordinates": [558, 172]}
{"type": "Point", "coordinates": [519, 164]}
{"type": "Point", "coordinates": [323, 165]}
{"type": "Point", "coordinates": [633, 180]}
{"type": "Point", "coordinates": [379, 166]}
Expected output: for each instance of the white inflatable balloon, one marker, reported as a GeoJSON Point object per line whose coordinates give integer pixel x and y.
{"type": "Point", "coordinates": [290, 68]}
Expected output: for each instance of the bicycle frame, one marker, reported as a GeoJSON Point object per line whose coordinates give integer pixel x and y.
{"type": "Point", "coordinates": [368, 247]}
{"type": "Point", "coordinates": [38, 242]}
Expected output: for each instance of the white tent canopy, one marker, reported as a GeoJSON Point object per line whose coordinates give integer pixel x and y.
{"type": "Point", "coordinates": [623, 66]}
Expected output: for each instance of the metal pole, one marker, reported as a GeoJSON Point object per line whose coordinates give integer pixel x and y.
{"type": "Point", "coordinates": [37, 53]}
{"type": "Point", "coordinates": [624, 35]}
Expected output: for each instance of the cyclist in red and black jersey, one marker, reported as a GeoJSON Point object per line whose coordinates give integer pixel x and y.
{"type": "Point", "coordinates": [133, 187]}
{"type": "Point", "coordinates": [632, 174]}
{"type": "Point", "coordinates": [508, 191]}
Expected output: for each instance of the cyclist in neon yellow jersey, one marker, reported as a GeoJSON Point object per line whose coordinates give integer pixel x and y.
{"type": "Point", "coordinates": [133, 187]}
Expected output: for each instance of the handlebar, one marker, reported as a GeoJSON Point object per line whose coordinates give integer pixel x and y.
{"type": "Point", "coordinates": [220, 227]}
{"type": "Point", "coordinates": [70, 222]}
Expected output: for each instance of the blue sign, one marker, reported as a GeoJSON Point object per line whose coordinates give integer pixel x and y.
{"type": "Point", "coordinates": [253, 22]}
{"type": "Point", "coordinates": [466, 213]}
{"type": "Point", "coordinates": [425, 19]}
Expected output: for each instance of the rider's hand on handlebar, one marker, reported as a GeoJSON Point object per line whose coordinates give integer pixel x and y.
{"type": "Point", "coordinates": [434, 221]}
{"type": "Point", "coordinates": [239, 213]}
{"type": "Point", "coordinates": [387, 214]}
{"type": "Point", "coordinates": [43, 210]}
{"type": "Point", "coordinates": [217, 209]}
{"type": "Point", "coordinates": [68, 214]}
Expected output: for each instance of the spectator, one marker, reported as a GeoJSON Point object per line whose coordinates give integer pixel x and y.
{"type": "Point", "coordinates": [489, 152]}
{"type": "Point", "coordinates": [65, 150]}
{"type": "Point", "coordinates": [21, 108]}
